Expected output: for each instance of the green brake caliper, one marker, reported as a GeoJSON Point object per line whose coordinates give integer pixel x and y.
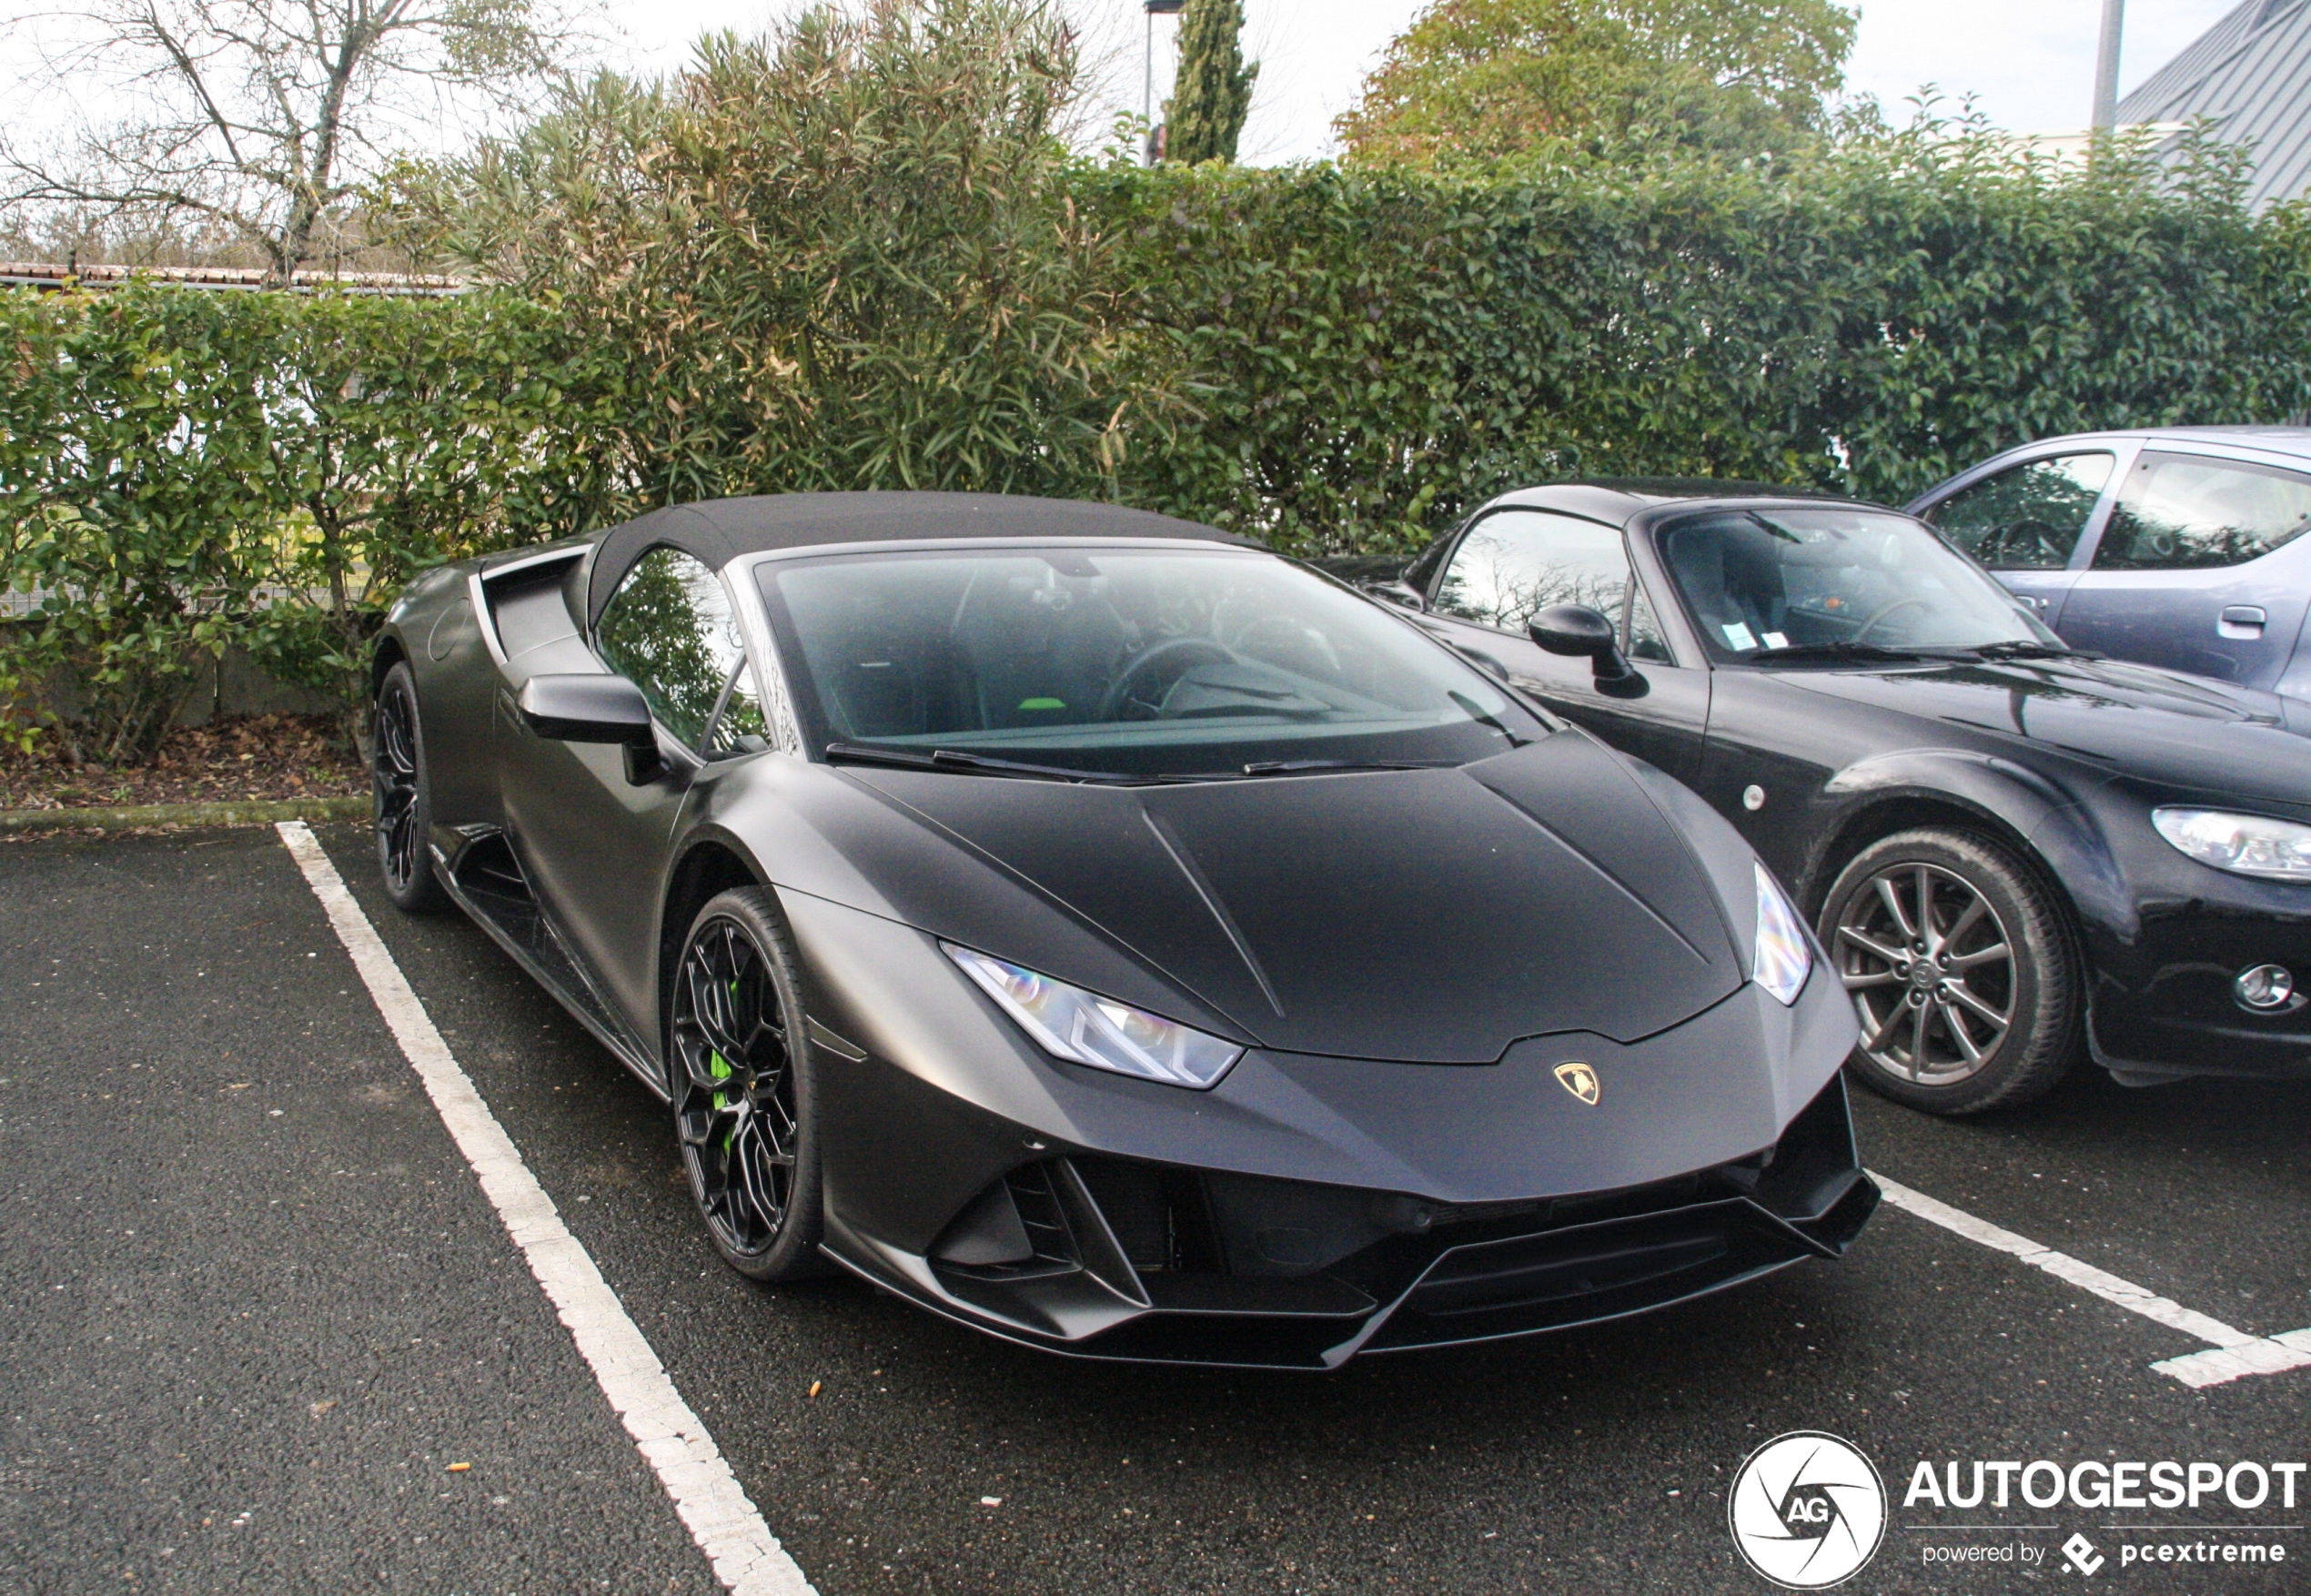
{"type": "Point", "coordinates": [719, 1067]}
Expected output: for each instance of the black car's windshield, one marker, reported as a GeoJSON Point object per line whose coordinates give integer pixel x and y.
{"type": "Point", "coordinates": [1126, 661]}
{"type": "Point", "coordinates": [1835, 584]}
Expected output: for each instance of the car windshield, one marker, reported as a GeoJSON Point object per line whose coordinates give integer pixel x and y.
{"type": "Point", "coordinates": [1760, 580]}
{"type": "Point", "coordinates": [1124, 663]}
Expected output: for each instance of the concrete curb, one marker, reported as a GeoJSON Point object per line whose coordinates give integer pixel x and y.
{"type": "Point", "coordinates": [255, 812]}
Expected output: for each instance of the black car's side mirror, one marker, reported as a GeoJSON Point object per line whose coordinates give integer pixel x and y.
{"type": "Point", "coordinates": [594, 709]}
{"type": "Point", "coordinates": [1576, 629]}
{"type": "Point", "coordinates": [1402, 594]}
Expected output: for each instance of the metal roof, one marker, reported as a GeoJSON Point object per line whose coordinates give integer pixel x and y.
{"type": "Point", "coordinates": [82, 275]}
{"type": "Point", "coordinates": [2251, 74]}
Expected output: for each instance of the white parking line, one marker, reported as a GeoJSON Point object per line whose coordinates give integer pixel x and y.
{"type": "Point", "coordinates": [747, 1558]}
{"type": "Point", "coordinates": [2232, 1353]}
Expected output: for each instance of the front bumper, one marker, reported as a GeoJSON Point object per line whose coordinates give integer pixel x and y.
{"type": "Point", "coordinates": [1099, 1256]}
{"type": "Point", "coordinates": [2161, 1003]}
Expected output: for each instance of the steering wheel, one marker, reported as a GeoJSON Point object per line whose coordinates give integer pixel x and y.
{"type": "Point", "coordinates": [1121, 696]}
{"type": "Point", "coordinates": [1278, 638]}
{"type": "Point", "coordinates": [1864, 631]}
{"type": "Point", "coordinates": [2034, 539]}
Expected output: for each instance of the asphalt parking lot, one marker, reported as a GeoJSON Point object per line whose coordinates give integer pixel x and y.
{"type": "Point", "coordinates": [257, 1309]}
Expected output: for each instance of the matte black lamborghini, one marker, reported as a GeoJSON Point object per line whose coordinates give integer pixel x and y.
{"type": "Point", "coordinates": [1113, 936]}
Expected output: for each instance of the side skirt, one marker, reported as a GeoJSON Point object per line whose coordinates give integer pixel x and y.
{"type": "Point", "coordinates": [486, 881]}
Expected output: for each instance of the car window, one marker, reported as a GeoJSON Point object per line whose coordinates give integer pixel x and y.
{"type": "Point", "coordinates": [1760, 579]}
{"type": "Point", "coordinates": [1645, 638]}
{"type": "Point", "coordinates": [2027, 516]}
{"type": "Point", "coordinates": [669, 629]}
{"type": "Point", "coordinates": [2184, 511]}
{"type": "Point", "coordinates": [1128, 662]}
{"type": "Point", "coordinates": [1517, 562]}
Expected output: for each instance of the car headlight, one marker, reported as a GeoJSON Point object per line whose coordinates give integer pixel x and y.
{"type": "Point", "coordinates": [2245, 844]}
{"type": "Point", "coordinates": [1083, 1028]}
{"type": "Point", "coordinates": [1783, 957]}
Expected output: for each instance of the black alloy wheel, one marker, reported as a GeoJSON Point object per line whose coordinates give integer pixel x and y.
{"type": "Point", "coordinates": [744, 1096]}
{"type": "Point", "coordinates": [1961, 971]}
{"type": "Point", "coordinates": [403, 807]}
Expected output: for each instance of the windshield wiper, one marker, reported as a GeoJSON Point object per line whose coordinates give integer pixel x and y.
{"type": "Point", "coordinates": [1837, 650]}
{"type": "Point", "coordinates": [1293, 767]}
{"type": "Point", "coordinates": [956, 761]}
{"type": "Point", "coordinates": [2019, 649]}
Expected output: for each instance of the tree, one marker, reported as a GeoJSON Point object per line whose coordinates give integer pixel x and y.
{"type": "Point", "coordinates": [262, 116]}
{"type": "Point", "coordinates": [839, 255]}
{"type": "Point", "coordinates": [1476, 82]}
{"type": "Point", "coordinates": [1213, 90]}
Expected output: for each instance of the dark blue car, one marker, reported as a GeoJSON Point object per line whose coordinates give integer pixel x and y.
{"type": "Point", "coordinates": [2176, 546]}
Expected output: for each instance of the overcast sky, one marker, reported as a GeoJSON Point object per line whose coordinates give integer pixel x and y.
{"type": "Point", "coordinates": [2030, 63]}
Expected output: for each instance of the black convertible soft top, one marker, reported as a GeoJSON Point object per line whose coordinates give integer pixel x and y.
{"type": "Point", "coordinates": [717, 530]}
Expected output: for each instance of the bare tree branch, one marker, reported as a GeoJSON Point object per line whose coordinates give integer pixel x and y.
{"type": "Point", "coordinates": [265, 117]}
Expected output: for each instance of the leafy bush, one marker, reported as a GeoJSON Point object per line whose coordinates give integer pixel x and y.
{"type": "Point", "coordinates": [859, 257]}
{"type": "Point", "coordinates": [180, 471]}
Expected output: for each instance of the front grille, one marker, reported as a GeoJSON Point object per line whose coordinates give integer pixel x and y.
{"type": "Point", "coordinates": [1080, 1247]}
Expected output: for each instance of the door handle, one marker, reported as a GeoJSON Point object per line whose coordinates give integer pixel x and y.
{"type": "Point", "coordinates": [2242, 620]}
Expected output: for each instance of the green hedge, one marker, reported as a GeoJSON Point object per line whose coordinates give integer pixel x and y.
{"type": "Point", "coordinates": [1337, 362]}
{"type": "Point", "coordinates": [181, 470]}
{"type": "Point", "coordinates": [1379, 355]}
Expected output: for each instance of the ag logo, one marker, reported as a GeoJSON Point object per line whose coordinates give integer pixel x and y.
{"type": "Point", "coordinates": [1807, 1510]}
{"type": "Point", "coordinates": [1580, 1080]}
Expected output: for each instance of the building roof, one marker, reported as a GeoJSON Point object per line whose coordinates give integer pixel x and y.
{"type": "Point", "coordinates": [49, 273]}
{"type": "Point", "coordinates": [2250, 74]}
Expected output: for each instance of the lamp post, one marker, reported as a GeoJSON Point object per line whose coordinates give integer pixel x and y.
{"type": "Point", "coordinates": [2106, 65]}
{"type": "Point", "coordinates": [1156, 8]}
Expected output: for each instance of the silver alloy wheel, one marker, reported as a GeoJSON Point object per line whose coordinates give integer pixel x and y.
{"type": "Point", "coordinates": [1931, 972]}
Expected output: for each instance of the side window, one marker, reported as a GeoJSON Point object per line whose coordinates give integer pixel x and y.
{"type": "Point", "coordinates": [2028, 517]}
{"type": "Point", "coordinates": [1645, 638]}
{"type": "Point", "coordinates": [669, 629]}
{"type": "Point", "coordinates": [1517, 562]}
{"type": "Point", "coordinates": [2186, 512]}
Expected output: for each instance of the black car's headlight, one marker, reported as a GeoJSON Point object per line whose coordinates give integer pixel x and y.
{"type": "Point", "coordinates": [2244, 845]}
{"type": "Point", "coordinates": [1783, 958]}
{"type": "Point", "coordinates": [1083, 1028]}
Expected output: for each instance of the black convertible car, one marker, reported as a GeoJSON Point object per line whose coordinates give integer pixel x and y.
{"type": "Point", "coordinates": [2007, 844]}
{"type": "Point", "coordinates": [1113, 936]}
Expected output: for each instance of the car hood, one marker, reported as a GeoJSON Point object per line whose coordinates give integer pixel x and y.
{"type": "Point", "coordinates": [2138, 720]}
{"type": "Point", "coordinates": [1426, 915]}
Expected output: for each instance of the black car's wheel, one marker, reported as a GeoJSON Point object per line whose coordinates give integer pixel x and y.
{"type": "Point", "coordinates": [745, 1095]}
{"type": "Point", "coordinates": [403, 807]}
{"type": "Point", "coordinates": [1961, 968]}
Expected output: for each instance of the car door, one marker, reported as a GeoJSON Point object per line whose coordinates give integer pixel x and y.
{"type": "Point", "coordinates": [595, 843]}
{"type": "Point", "coordinates": [1514, 562]}
{"type": "Point", "coordinates": [2194, 568]}
{"type": "Point", "coordinates": [2029, 522]}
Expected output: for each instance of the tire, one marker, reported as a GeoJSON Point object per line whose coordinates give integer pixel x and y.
{"type": "Point", "coordinates": [1980, 1008]}
{"type": "Point", "coordinates": [401, 798]}
{"type": "Point", "coordinates": [735, 1016]}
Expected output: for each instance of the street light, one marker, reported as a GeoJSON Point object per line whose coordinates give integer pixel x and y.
{"type": "Point", "coordinates": [2106, 65]}
{"type": "Point", "coordinates": [1156, 8]}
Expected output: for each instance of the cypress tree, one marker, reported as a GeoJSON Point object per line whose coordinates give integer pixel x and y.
{"type": "Point", "coordinates": [1213, 90]}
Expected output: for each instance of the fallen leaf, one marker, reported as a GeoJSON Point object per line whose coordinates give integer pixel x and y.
{"type": "Point", "coordinates": [317, 1409]}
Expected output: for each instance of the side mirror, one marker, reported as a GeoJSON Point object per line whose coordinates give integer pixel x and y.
{"type": "Point", "coordinates": [1400, 593]}
{"type": "Point", "coordinates": [1576, 629]}
{"type": "Point", "coordinates": [594, 709]}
